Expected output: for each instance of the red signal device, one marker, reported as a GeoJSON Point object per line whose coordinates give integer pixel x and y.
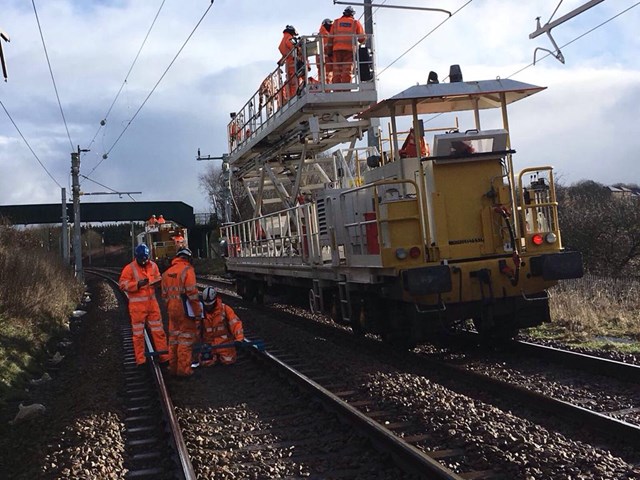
{"type": "Point", "coordinates": [537, 239]}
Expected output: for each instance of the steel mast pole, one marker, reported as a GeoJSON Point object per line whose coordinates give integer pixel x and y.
{"type": "Point", "coordinates": [75, 183]}
{"type": "Point", "coordinates": [372, 131]}
{"type": "Point", "coordinates": [64, 232]}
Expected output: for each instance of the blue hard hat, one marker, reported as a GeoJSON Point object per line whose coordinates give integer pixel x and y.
{"type": "Point", "coordinates": [142, 252]}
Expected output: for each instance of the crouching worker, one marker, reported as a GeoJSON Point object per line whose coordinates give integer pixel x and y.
{"type": "Point", "coordinates": [220, 325]}
{"type": "Point", "coordinates": [138, 280]}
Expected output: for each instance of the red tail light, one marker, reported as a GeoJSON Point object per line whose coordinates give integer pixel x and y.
{"type": "Point", "coordinates": [414, 252]}
{"type": "Point", "coordinates": [537, 239]}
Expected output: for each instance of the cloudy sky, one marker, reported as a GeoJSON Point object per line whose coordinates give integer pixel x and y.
{"type": "Point", "coordinates": [585, 123]}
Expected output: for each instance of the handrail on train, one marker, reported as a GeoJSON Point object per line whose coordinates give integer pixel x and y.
{"type": "Point", "coordinates": [548, 207]}
{"type": "Point", "coordinates": [271, 98]}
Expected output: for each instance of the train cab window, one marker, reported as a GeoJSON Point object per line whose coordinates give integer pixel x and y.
{"type": "Point", "coordinates": [468, 143]}
{"type": "Point", "coordinates": [391, 194]}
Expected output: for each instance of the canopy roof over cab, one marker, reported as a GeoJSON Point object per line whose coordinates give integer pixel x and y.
{"type": "Point", "coordinates": [452, 97]}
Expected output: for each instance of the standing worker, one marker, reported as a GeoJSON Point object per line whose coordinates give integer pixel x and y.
{"type": "Point", "coordinates": [324, 32]}
{"type": "Point", "coordinates": [341, 45]}
{"type": "Point", "coordinates": [287, 49]}
{"type": "Point", "coordinates": [138, 280]}
{"type": "Point", "coordinates": [220, 326]}
{"type": "Point", "coordinates": [179, 289]}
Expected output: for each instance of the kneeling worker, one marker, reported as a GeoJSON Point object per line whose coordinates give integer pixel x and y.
{"type": "Point", "coordinates": [220, 325]}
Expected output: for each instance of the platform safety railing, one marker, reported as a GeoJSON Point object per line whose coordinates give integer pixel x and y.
{"type": "Point", "coordinates": [312, 68]}
{"type": "Point", "coordinates": [376, 231]}
{"type": "Point", "coordinates": [289, 233]}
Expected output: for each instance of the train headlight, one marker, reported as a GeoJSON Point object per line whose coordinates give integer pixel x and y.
{"type": "Point", "coordinates": [537, 239]}
{"type": "Point", "coordinates": [401, 253]}
{"type": "Point", "coordinates": [551, 237]}
{"type": "Point", "coordinates": [414, 252]}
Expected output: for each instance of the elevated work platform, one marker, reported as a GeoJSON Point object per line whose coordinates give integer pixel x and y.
{"type": "Point", "coordinates": [292, 116]}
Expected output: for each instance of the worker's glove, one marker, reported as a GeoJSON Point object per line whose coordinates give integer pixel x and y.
{"type": "Point", "coordinates": [237, 343]}
{"type": "Point", "coordinates": [143, 282]}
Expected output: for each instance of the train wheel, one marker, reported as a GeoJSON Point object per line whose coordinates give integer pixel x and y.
{"type": "Point", "coordinates": [334, 310]}
{"type": "Point", "coordinates": [398, 339]}
{"type": "Point", "coordinates": [358, 318]}
{"type": "Point", "coordinates": [313, 303]}
{"type": "Point", "coordinates": [496, 331]}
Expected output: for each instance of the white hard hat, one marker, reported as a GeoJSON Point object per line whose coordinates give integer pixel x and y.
{"type": "Point", "coordinates": [209, 295]}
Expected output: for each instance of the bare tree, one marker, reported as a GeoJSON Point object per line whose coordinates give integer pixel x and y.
{"type": "Point", "coordinates": [605, 228]}
{"type": "Point", "coordinates": [212, 182]}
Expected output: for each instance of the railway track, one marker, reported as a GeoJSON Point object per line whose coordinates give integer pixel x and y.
{"type": "Point", "coordinates": [152, 433]}
{"type": "Point", "coordinates": [393, 457]}
{"type": "Point", "coordinates": [607, 425]}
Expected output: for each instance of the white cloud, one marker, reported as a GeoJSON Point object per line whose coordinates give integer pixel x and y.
{"type": "Point", "coordinates": [584, 123]}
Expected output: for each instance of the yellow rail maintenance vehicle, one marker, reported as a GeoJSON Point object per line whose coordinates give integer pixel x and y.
{"type": "Point", "coordinates": [164, 238]}
{"type": "Point", "coordinates": [407, 243]}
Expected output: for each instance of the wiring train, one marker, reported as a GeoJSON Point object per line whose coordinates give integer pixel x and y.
{"type": "Point", "coordinates": [402, 237]}
{"type": "Point", "coordinates": [164, 238]}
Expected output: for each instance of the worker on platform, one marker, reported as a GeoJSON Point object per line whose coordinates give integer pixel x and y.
{"type": "Point", "coordinates": [324, 32]}
{"type": "Point", "coordinates": [341, 45]}
{"type": "Point", "coordinates": [161, 220]}
{"type": "Point", "coordinates": [183, 306]}
{"type": "Point", "coordinates": [288, 50]}
{"type": "Point", "coordinates": [152, 220]}
{"type": "Point", "coordinates": [220, 326]}
{"type": "Point", "coordinates": [138, 280]}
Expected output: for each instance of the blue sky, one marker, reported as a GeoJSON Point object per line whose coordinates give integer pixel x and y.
{"type": "Point", "coordinates": [585, 122]}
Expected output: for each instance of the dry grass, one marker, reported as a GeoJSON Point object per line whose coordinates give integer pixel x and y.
{"type": "Point", "coordinates": [585, 309]}
{"type": "Point", "coordinates": [37, 294]}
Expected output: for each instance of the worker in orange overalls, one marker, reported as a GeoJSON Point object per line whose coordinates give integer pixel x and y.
{"type": "Point", "coordinates": [152, 220]}
{"type": "Point", "coordinates": [138, 280]}
{"type": "Point", "coordinates": [324, 32]}
{"type": "Point", "coordinates": [341, 46]}
{"type": "Point", "coordinates": [287, 49]}
{"type": "Point", "coordinates": [179, 240]}
{"type": "Point", "coordinates": [180, 292]}
{"type": "Point", "coordinates": [220, 326]}
{"type": "Point", "coordinates": [160, 220]}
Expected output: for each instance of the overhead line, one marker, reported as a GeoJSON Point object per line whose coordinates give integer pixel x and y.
{"type": "Point", "coordinates": [127, 75]}
{"type": "Point", "coordinates": [46, 54]}
{"type": "Point", "coordinates": [578, 37]}
{"type": "Point", "coordinates": [104, 157]}
{"type": "Point", "coordinates": [423, 38]}
{"type": "Point", "coordinates": [29, 146]}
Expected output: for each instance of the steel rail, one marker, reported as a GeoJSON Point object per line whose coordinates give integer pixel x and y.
{"type": "Point", "coordinates": [604, 366]}
{"type": "Point", "coordinates": [177, 439]}
{"type": "Point", "coordinates": [407, 456]}
{"type": "Point", "coordinates": [602, 423]}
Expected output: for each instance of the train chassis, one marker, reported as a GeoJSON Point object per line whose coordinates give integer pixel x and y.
{"type": "Point", "coordinates": [379, 309]}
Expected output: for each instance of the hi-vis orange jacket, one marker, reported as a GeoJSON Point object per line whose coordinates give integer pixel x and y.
{"type": "Point", "coordinates": [179, 279]}
{"type": "Point", "coordinates": [140, 298]}
{"type": "Point", "coordinates": [285, 47]}
{"type": "Point", "coordinates": [342, 32]}
{"type": "Point", "coordinates": [221, 325]}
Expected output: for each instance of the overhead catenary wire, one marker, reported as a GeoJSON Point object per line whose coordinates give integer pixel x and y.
{"type": "Point", "coordinates": [104, 119]}
{"type": "Point", "coordinates": [577, 38]}
{"type": "Point", "coordinates": [423, 38]}
{"type": "Point", "coordinates": [29, 146]}
{"type": "Point", "coordinates": [108, 188]}
{"type": "Point", "coordinates": [46, 54]}
{"type": "Point", "coordinates": [104, 157]}
{"type": "Point", "coordinates": [563, 46]}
